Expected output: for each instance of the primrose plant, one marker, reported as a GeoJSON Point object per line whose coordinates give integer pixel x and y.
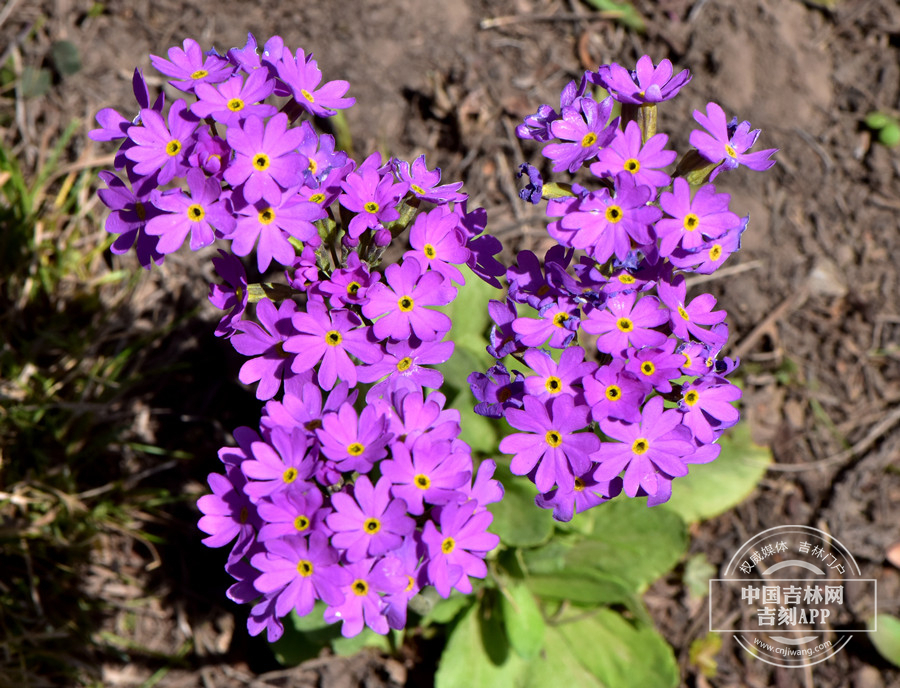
{"type": "Point", "coordinates": [355, 489]}
{"type": "Point", "coordinates": [635, 392]}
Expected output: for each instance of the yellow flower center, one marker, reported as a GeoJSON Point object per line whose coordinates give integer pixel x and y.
{"type": "Point", "coordinates": [647, 368]}
{"type": "Point", "coordinates": [579, 485]}
{"type": "Point", "coordinates": [333, 338]}
{"type": "Point", "coordinates": [352, 288]}
{"type": "Point", "coordinates": [360, 587]}
{"type": "Point", "coordinates": [355, 449]}
{"type": "Point", "coordinates": [372, 525]}
{"type": "Point", "coordinates": [313, 166]}
{"type": "Point", "coordinates": [429, 251]}
{"type": "Point", "coordinates": [731, 152]}
{"type": "Point", "coordinates": [625, 325]}
{"type": "Point", "coordinates": [417, 189]}
{"type": "Point", "coordinates": [406, 304]}
{"type": "Point", "coordinates": [640, 446]}
{"type": "Point", "coordinates": [691, 397]}
{"type": "Point", "coordinates": [589, 140]}
{"type": "Point", "coordinates": [715, 252]}
{"type": "Point", "coordinates": [559, 319]}
{"type": "Point", "coordinates": [691, 222]}
{"type": "Point", "coordinates": [267, 216]}
{"type": "Point", "coordinates": [261, 161]}
{"type": "Point", "coordinates": [554, 439]}
{"type": "Point", "coordinates": [371, 207]}
{"type": "Point", "coordinates": [306, 94]}
{"type": "Point", "coordinates": [626, 278]}
{"type": "Point", "coordinates": [404, 363]}
{"type": "Point", "coordinates": [289, 476]}
{"type": "Point", "coordinates": [422, 481]}
{"type": "Point", "coordinates": [317, 198]}
{"type": "Point", "coordinates": [305, 568]}
{"type": "Point", "coordinates": [632, 165]}
{"type": "Point", "coordinates": [199, 74]}
{"type": "Point", "coordinates": [235, 104]}
{"type": "Point", "coordinates": [448, 545]}
{"type": "Point", "coordinates": [195, 212]}
{"type": "Point", "coordinates": [553, 384]}
{"type": "Point", "coordinates": [301, 523]}
{"type": "Point", "coordinates": [683, 313]}
{"type": "Point", "coordinates": [613, 393]}
{"type": "Point", "coordinates": [614, 214]}
{"type": "Point", "coordinates": [172, 147]}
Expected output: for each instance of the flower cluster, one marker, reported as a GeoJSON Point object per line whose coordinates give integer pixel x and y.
{"type": "Point", "coordinates": [355, 489]}
{"type": "Point", "coordinates": [634, 392]}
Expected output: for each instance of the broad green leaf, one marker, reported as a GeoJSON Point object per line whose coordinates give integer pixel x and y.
{"type": "Point", "coordinates": [517, 520]}
{"type": "Point", "coordinates": [304, 637]}
{"type": "Point", "coordinates": [887, 638]}
{"type": "Point", "coordinates": [619, 653]}
{"type": "Point", "coordinates": [522, 620]}
{"type": "Point", "coordinates": [558, 666]}
{"type": "Point", "coordinates": [478, 432]}
{"type": "Point", "coordinates": [65, 57]}
{"type": "Point", "coordinates": [444, 610]}
{"type": "Point", "coordinates": [551, 557]}
{"type": "Point", "coordinates": [631, 542]}
{"type": "Point", "coordinates": [713, 488]}
{"type": "Point", "coordinates": [581, 586]}
{"type": "Point", "coordinates": [465, 662]}
{"type": "Point", "coordinates": [469, 313]}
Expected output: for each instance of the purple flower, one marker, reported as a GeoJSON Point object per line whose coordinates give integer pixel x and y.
{"type": "Point", "coordinates": [533, 191]}
{"type": "Point", "coordinates": [281, 463]}
{"type": "Point", "coordinates": [558, 321]}
{"type": "Point", "coordinates": [497, 391]}
{"type": "Point", "coordinates": [707, 407]}
{"type": "Point", "coordinates": [604, 225]}
{"type": "Point", "coordinates": [438, 243]}
{"type": "Point", "coordinates": [691, 318]}
{"type": "Point", "coordinates": [728, 143]}
{"type": "Point", "coordinates": [370, 522]}
{"type": "Point", "coordinates": [372, 196]}
{"type": "Point", "coordinates": [587, 494]}
{"type": "Point", "coordinates": [266, 161]}
{"type": "Point", "coordinates": [710, 255]}
{"type": "Point", "coordinates": [329, 335]}
{"type": "Point", "coordinates": [402, 304]}
{"type": "Point", "coordinates": [349, 285]}
{"type": "Point", "coordinates": [363, 604]}
{"type": "Point", "coordinates": [354, 443]}
{"type": "Point", "coordinates": [272, 225]}
{"type": "Point", "coordinates": [114, 126]}
{"type": "Point", "coordinates": [693, 221]}
{"type": "Point", "coordinates": [265, 342]}
{"type": "Point", "coordinates": [294, 511]}
{"type": "Point", "coordinates": [485, 490]}
{"type": "Point", "coordinates": [228, 513]}
{"type": "Point", "coordinates": [628, 153]}
{"type": "Point", "coordinates": [302, 76]}
{"type": "Point", "coordinates": [319, 150]}
{"type": "Point", "coordinates": [646, 84]}
{"type": "Point", "coordinates": [646, 451]}
{"type": "Point", "coordinates": [457, 550]}
{"type": "Point", "coordinates": [503, 339]}
{"type": "Point", "coordinates": [623, 323]}
{"type": "Point", "coordinates": [198, 213]}
{"type": "Point", "coordinates": [657, 366]}
{"type": "Point", "coordinates": [404, 365]}
{"type": "Point", "coordinates": [412, 416]}
{"type": "Point", "coordinates": [424, 183]}
{"type": "Point", "coordinates": [190, 66]}
{"type": "Point", "coordinates": [162, 145]}
{"type": "Point", "coordinates": [231, 298]}
{"type": "Point", "coordinates": [613, 392]}
{"type": "Point", "coordinates": [586, 129]}
{"type": "Point", "coordinates": [297, 571]}
{"type": "Point", "coordinates": [552, 378]}
{"type": "Point", "coordinates": [131, 210]}
{"type": "Point", "coordinates": [235, 99]}
{"type": "Point", "coordinates": [430, 473]}
{"type": "Point", "coordinates": [550, 442]}
{"type": "Point", "coordinates": [537, 126]}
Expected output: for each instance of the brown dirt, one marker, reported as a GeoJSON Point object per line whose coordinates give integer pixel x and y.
{"type": "Point", "coordinates": [814, 305]}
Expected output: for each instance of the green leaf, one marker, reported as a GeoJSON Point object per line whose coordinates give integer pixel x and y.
{"type": "Point", "coordinates": [621, 11]}
{"type": "Point", "coordinates": [444, 610]}
{"type": "Point", "coordinates": [35, 81]}
{"type": "Point", "coordinates": [469, 313]}
{"type": "Point", "coordinates": [889, 135]}
{"type": "Point", "coordinates": [367, 638]}
{"type": "Point", "coordinates": [714, 488]}
{"type": "Point", "coordinates": [466, 662]}
{"type": "Point", "coordinates": [304, 637]}
{"type": "Point", "coordinates": [558, 666]}
{"type": "Point", "coordinates": [581, 586]}
{"type": "Point", "coordinates": [65, 57]}
{"type": "Point", "coordinates": [522, 620]}
{"type": "Point", "coordinates": [619, 653]}
{"type": "Point", "coordinates": [877, 120]}
{"type": "Point", "coordinates": [478, 432]}
{"type": "Point", "coordinates": [517, 520]}
{"type": "Point", "coordinates": [631, 542]}
{"type": "Point", "coordinates": [887, 638]}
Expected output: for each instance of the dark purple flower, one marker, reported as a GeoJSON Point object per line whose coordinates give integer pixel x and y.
{"type": "Point", "coordinates": [372, 196]}
{"type": "Point", "coordinates": [728, 143]}
{"type": "Point", "coordinates": [228, 513]}
{"type": "Point", "coordinates": [534, 189]}
{"type": "Point", "coordinates": [370, 522]}
{"type": "Point", "coordinates": [646, 84]}
{"type": "Point", "coordinates": [231, 298]}
{"type": "Point", "coordinates": [691, 318]}
{"type": "Point", "coordinates": [623, 323]}
{"type": "Point", "coordinates": [424, 183]}
{"type": "Point", "coordinates": [587, 494]}
{"type": "Point", "coordinates": [131, 210]}
{"type": "Point", "coordinates": [695, 221]}
{"type": "Point", "coordinates": [503, 339]}
{"type": "Point", "coordinates": [707, 407]}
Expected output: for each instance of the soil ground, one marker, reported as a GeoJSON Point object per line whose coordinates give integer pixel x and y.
{"type": "Point", "coordinates": [813, 297]}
